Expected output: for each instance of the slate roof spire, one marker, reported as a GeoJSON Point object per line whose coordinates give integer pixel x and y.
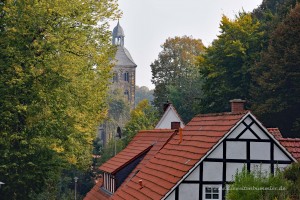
{"type": "Point", "coordinates": [118, 35]}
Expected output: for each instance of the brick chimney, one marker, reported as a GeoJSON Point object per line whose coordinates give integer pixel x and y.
{"type": "Point", "coordinates": [175, 125]}
{"type": "Point", "coordinates": [237, 105]}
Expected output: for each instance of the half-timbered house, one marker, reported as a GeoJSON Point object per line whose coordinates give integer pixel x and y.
{"type": "Point", "coordinates": [200, 161]}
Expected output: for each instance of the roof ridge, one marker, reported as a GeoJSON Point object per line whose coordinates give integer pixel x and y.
{"type": "Point", "coordinates": [291, 139]}
{"type": "Point", "coordinates": [222, 113]}
{"type": "Point", "coordinates": [158, 130]}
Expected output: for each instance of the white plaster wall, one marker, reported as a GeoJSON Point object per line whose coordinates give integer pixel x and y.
{"type": "Point", "coordinates": [259, 132]}
{"type": "Point", "coordinates": [264, 168]}
{"type": "Point", "coordinates": [280, 167]}
{"type": "Point", "coordinates": [194, 176]}
{"type": "Point", "coordinates": [237, 131]}
{"type": "Point", "coordinates": [248, 120]}
{"type": "Point", "coordinates": [171, 196]}
{"type": "Point", "coordinates": [168, 117]}
{"type": "Point", "coordinates": [279, 155]}
{"type": "Point", "coordinates": [232, 169]}
{"type": "Point", "coordinates": [260, 150]}
{"type": "Point", "coordinates": [248, 135]}
{"type": "Point", "coordinates": [212, 171]}
{"type": "Point", "coordinates": [218, 152]}
{"type": "Point", "coordinates": [188, 191]}
{"type": "Point", "coordinates": [236, 150]}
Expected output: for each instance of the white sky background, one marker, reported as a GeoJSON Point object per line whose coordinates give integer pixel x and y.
{"type": "Point", "coordinates": [148, 23]}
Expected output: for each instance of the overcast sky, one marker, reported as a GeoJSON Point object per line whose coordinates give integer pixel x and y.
{"type": "Point", "coordinates": [148, 23]}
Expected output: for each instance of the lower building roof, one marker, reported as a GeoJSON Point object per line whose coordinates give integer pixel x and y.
{"type": "Point", "coordinates": [170, 164]}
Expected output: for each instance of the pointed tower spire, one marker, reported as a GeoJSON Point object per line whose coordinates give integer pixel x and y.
{"type": "Point", "coordinates": [118, 35]}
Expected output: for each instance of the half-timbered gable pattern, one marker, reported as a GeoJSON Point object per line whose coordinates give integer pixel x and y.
{"type": "Point", "coordinates": [201, 162]}
{"type": "Point", "coordinates": [178, 157]}
{"type": "Point", "coordinates": [198, 161]}
{"type": "Point", "coordinates": [247, 145]}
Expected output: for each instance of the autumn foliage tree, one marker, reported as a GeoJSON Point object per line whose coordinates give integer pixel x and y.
{"type": "Point", "coordinates": [227, 64]}
{"type": "Point", "coordinates": [54, 72]}
{"type": "Point", "coordinates": [175, 73]}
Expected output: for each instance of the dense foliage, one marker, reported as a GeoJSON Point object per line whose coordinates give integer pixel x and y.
{"type": "Point", "coordinates": [261, 185]}
{"type": "Point", "coordinates": [258, 185]}
{"type": "Point", "coordinates": [255, 58]}
{"type": "Point", "coordinates": [142, 93]}
{"type": "Point", "coordinates": [228, 62]}
{"type": "Point", "coordinates": [54, 72]}
{"type": "Point", "coordinates": [292, 174]}
{"type": "Point", "coordinates": [175, 74]}
{"type": "Point", "coordinates": [276, 84]}
{"type": "Point", "coordinates": [143, 117]}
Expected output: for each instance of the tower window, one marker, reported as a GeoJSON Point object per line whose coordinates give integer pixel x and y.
{"type": "Point", "coordinates": [126, 76]}
{"type": "Point", "coordinates": [115, 77]}
{"type": "Point", "coordinates": [126, 93]}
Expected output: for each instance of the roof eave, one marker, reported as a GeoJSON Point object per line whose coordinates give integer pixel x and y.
{"type": "Point", "coordinates": [129, 161]}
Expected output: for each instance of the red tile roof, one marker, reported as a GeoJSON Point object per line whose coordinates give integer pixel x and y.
{"type": "Point", "coordinates": [153, 139]}
{"type": "Point", "coordinates": [169, 159]}
{"type": "Point", "coordinates": [161, 173]}
{"type": "Point", "coordinates": [292, 145]}
{"type": "Point", "coordinates": [148, 140]}
{"type": "Point", "coordinates": [96, 193]}
{"type": "Point", "coordinates": [276, 132]}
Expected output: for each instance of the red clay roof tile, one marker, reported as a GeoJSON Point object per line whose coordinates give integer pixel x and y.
{"type": "Point", "coordinates": [165, 164]}
{"type": "Point", "coordinates": [96, 193]}
{"type": "Point", "coordinates": [140, 144]}
{"type": "Point", "coordinates": [292, 145]}
{"type": "Point", "coordinates": [175, 159]}
{"type": "Point", "coordinates": [275, 131]}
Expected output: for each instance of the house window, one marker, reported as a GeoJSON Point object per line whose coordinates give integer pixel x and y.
{"type": "Point", "coordinates": [126, 76]}
{"type": "Point", "coordinates": [212, 192]}
{"type": "Point", "coordinates": [109, 182]}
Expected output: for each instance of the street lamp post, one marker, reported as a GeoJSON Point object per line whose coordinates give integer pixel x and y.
{"type": "Point", "coordinates": [75, 179]}
{"type": "Point", "coordinates": [1, 183]}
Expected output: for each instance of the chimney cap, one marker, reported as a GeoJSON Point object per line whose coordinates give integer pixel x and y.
{"type": "Point", "coordinates": [237, 101]}
{"type": "Point", "coordinates": [237, 105]}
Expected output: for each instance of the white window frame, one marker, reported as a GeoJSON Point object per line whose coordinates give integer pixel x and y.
{"type": "Point", "coordinates": [212, 186]}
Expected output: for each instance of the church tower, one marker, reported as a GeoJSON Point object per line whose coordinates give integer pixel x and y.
{"type": "Point", "coordinates": [124, 69]}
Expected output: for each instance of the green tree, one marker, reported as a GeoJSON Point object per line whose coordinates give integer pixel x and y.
{"type": "Point", "coordinates": [54, 72]}
{"type": "Point", "coordinates": [142, 93]}
{"type": "Point", "coordinates": [276, 86]}
{"type": "Point", "coordinates": [292, 174]}
{"type": "Point", "coordinates": [118, 113]}
{"type": "Point", "coordinates": [176, 71]}
{"type": "Point", "coordinates": [227, 65]}
{"type": "Point", "coordinates": [143, 117]}
{"type": "Point", "coordinates": [277, 8]}
{"type": "Point", "coordinates": [258, 185]}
